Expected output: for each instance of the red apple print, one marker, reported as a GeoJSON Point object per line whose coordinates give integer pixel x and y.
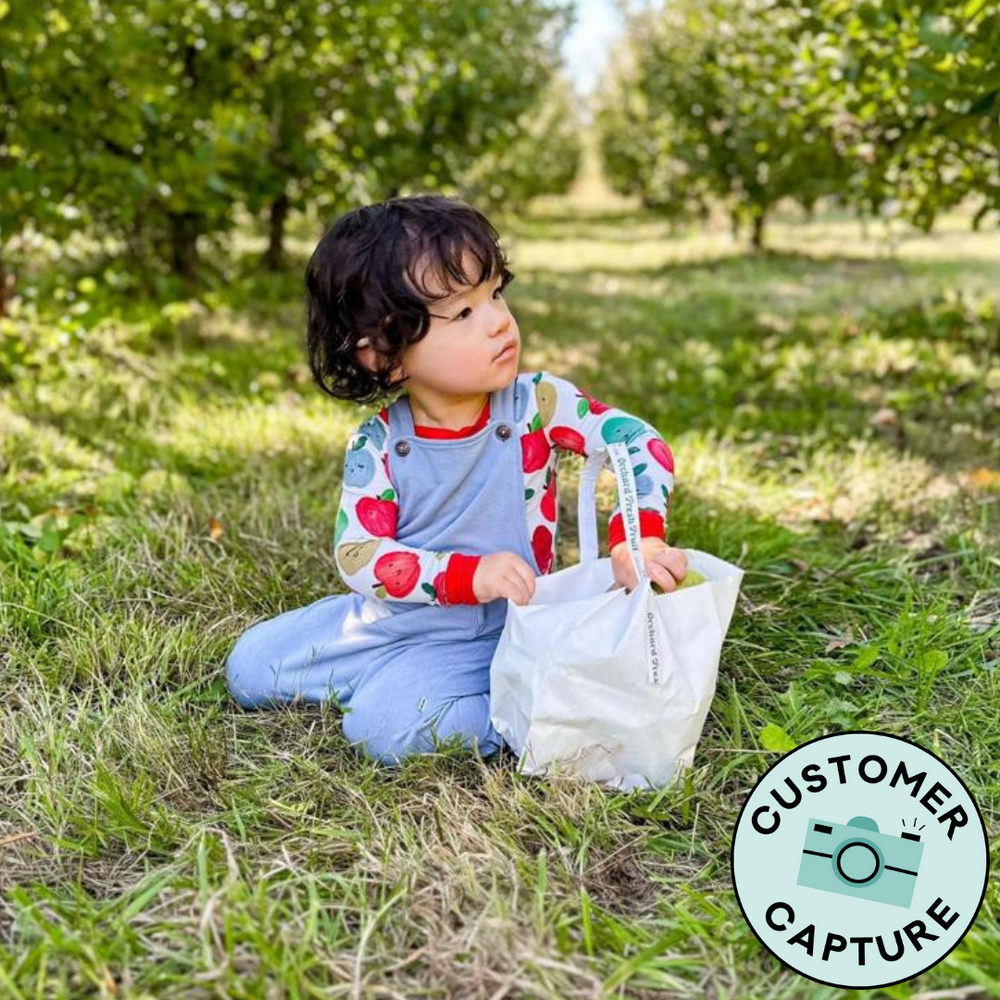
{"type": "Point", "coordinates": [548, 504]}
{"type": "Point", "coordinates": [596, 406]}
{"type": "Point", "coordinates": [566, 437]}
{"type": "Point", "coordinates": [535, 450]}
{"type": "Point", "coordinates": [384, 414]}
{"type": "Point", "coordinates": [659, 450]}
{"type": "Point", "coordinates": [541, 545]}
{"type": "Point", "coordinates": [398, 572]}
{"type": "Point", "coordinates": [439, 587]}
{"type": "Point", "coordinates": [378, 514]}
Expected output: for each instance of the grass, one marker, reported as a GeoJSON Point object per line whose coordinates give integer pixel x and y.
{"type": "Point", "coordinates": [834, 415]}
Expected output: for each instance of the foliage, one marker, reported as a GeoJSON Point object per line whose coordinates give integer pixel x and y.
{"type": "Point", "coordinates": [39, 169]}
{"type": "Point", "coordinates": [148, 122]}
{"type": "Point", "coordinates": [537, 153]}
{"type": "Point", "coordinates": [726, 110]}
{"type": "Point", "coordinates": [914, 93]}
{"type": "Point", "coordinates": [889, 105]}
{"type": "Point", "coordinates": [629, 139]}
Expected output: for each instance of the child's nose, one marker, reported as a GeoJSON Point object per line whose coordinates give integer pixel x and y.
{"type": "Point", "coordinates": [502, 320]}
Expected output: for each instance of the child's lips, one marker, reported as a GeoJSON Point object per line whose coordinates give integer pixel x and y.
{"type": "Point", "coordinates": [508, 352]}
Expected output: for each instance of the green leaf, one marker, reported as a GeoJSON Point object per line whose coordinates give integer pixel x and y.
{"type": "Point", "coordinates": [866, 657]}
{"type": "Point", "coordinates": [932, 661]}
{"type": "Point", "coordinates": [773, 737]}
{"type": "Point", "coordinates": [147, 895]}
{"type": "Point", "coordinates": [342, 521]}
{"type": "Point", "coordinates": [582, 407]}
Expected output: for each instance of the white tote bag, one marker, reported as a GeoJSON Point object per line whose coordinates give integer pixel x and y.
{"type": "Point", "coordinates": [605, 684]}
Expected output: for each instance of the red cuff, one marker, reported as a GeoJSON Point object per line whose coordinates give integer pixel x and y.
{"type": "Point", "coordinates": [458, 579]}
{"type": "Point", "coordinates": [651, 525]}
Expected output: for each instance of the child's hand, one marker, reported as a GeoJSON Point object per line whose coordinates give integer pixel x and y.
{"type": "Point", "coordinates": [664, 564]}
{"type": "Point", "coordinates": [503, 574]}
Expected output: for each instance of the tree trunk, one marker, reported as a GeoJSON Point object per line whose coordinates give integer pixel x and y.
{"type": "Point", "coordinates": [977, 219]}
{"type": "Point", "coordinates": [274, 258]}
{"type": "Point", "coordinates": [3, 287]}
{"type": "Point", "coordinates": [757, 233]}
{"type": "Point", "coordinates": [184, 246]}
{"type": "Point", "coordinates": [734, 225]}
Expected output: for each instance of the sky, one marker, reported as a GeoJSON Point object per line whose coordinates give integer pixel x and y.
{"type": "Point", "coordinates": [586, 45]}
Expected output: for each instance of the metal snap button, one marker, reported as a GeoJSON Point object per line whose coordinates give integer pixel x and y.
{"type": "Point", "coordinates": [503, 432]}
{"type": "Point", "coordinates": [402, 447]}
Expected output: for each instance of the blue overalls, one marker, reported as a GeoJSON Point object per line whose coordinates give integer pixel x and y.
{"type": "Point", "coordinates": [401, 670]}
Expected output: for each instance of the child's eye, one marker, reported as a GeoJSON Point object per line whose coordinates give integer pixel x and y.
{"type": "Point", "coordinates": [497, 291]}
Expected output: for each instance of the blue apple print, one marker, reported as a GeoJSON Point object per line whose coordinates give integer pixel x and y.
{"type": "Point", "coordinates": [374, 429]}
{"type": "Point", "coordinates": [520, 401]}
{"type": "Point", "coordinates": [622, 429]}
{"type": "Point", "coordinates": [644, 484]}
{"type": "Point", "coordinates": [360, 467]}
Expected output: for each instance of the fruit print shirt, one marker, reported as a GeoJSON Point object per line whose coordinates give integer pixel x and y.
{"type": "Point", "coordinates": [554, 416]}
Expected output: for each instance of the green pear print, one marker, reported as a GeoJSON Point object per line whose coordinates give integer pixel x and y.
{"type": "Point", "coordinates": [547, 399]}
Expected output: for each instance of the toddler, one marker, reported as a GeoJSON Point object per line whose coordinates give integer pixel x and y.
{"type": "Point", "coordinates": [448, 502]}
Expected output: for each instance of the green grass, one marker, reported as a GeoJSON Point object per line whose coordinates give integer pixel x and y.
{"type": "Point", "coordinates": [829, 407]}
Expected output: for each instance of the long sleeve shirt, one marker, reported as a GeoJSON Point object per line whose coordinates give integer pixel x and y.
{"type": "Point", "coordinates": [555, 417]}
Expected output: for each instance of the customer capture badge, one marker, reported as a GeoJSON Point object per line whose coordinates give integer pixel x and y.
{"type": "Point", "coordinates": [860, 860]}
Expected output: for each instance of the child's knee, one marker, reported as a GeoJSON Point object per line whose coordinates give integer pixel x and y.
{"type": "Point", "coordinates": [366, 727]}
{"type": "Point", "coordinates": [469, 716]}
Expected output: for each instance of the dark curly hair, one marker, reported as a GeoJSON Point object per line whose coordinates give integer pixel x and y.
{"type": "Point", "coordinates": [357, 285]}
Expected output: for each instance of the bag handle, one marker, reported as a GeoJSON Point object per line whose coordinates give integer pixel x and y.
{"type": "Point", "coordinates": [616, 455]}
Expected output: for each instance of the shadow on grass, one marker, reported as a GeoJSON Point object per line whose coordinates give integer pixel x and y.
{"type": "Point", "coordinates": [784, 351]}
{"type": "Point", "coordinates": [772, 361]}
{"type": "Point", "coordinates": [755, 352]}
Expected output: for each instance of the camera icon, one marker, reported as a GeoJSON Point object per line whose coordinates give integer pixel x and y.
{"type": "Point", "coordinates": [858, 860]}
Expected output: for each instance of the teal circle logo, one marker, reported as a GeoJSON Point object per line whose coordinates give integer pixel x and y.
{"type": "Point", "coordinates": [860, 860]}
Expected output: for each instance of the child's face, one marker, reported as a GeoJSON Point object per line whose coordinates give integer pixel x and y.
{"type": "Point", "coordinates": [458, 355]}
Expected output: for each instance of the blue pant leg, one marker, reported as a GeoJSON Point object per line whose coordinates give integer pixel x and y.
{"type": "Point", "coordinates": [306, 654]}
{"type": "Point", "coordinates": [422, 692]}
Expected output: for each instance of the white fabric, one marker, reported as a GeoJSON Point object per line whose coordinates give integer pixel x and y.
{"type": "Point", "coordinates": [609, 685]}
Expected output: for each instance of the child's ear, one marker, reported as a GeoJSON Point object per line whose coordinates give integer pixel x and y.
{"type": "Point", "coordinates": [368, 358]}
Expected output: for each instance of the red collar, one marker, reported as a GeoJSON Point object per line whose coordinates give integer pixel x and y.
{"type": "Point", "coordinates": [447, 432]}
